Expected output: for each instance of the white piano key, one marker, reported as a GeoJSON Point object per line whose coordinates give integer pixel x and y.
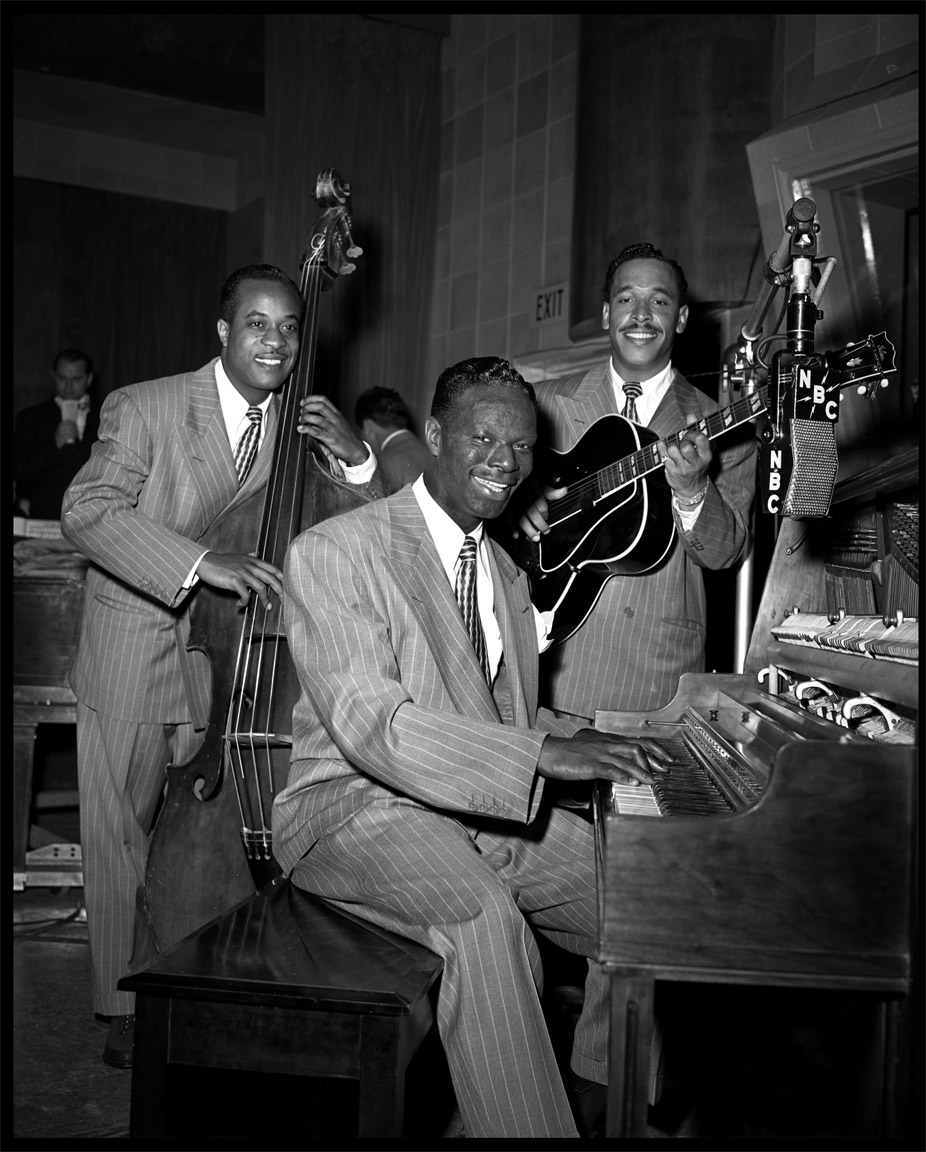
{"type": "Point", "coordinates": [634, 801]}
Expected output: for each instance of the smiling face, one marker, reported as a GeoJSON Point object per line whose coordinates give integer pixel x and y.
{"type": "Point", "coordinates": [483, 449]}
{"type": "Point", "coordinates": [260, 344]}
{"type": "Point", "coordinates": [643, 317]}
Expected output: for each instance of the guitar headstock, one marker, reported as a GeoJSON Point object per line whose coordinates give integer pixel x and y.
{"type": "Point", "coordinates": [330, 247]}
{"type": "Point", "coordinates": [870, 360]}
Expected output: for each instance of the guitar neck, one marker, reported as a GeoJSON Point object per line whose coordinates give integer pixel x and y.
{"type": "Point", "coordinates": [715, 424]}
{"type": "Point", "coordinates": [866, 360]}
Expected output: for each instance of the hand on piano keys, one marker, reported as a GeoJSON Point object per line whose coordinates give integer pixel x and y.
{"type": "Point", "coordinates": [686, 789]}
{"type": "Point", "coordinates": [630, 761]}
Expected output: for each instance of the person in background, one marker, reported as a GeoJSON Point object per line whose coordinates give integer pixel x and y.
{"type": "Point", "coordinates": [422, 788]}
{"type": "Point", "coordinates": [173, 455]}
{"type": "Point", "coordinates": [645, 631]}
{"type": "Point", "coordinates": [52, 440]}
{"type": "Point", "coordinates": [386, 425]}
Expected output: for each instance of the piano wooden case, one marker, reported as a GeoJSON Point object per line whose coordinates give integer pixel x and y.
{"type": "Point", "coordinates": [809, 879]}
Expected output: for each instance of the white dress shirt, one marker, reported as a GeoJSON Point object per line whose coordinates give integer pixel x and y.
{"type": "Point", "coordinates": [76, 410]}
{"type": "Point", "coordinates": [235, 414]}
{"type": "Point", "coordinates": [448, 539]}
{"type": "Point", "coordinates": [653, 391]}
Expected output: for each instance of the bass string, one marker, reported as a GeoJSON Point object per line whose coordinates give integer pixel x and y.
{"type": "Point", "coordinates": [260, 623]}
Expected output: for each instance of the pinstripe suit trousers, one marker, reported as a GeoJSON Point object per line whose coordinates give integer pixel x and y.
{"type": "Point", "coordinates": [472, 891]}
{"type": "Point", "coordinates": [121, 776]}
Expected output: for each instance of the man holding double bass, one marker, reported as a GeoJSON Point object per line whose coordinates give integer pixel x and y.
{"type": "Point", "coordinates": [173, 455]}
{"type": "Point", "coordinates": [645, 630]}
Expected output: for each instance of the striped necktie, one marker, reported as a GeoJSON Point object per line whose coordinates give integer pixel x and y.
{"type": "Point", "coordinates": [246, 448]}
{"type": "Point", "coordinates": [466, 597]}
{"type": "Point", "coordinates": [632, 390]}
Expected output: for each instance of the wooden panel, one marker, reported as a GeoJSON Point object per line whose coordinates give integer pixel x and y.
{"type": "Point", "coordinates": [262, 1038]}
{"type": "Point", "coordinates": [46, 616]}
{"type": "Point", "coordinates": [361, 96]}
{"type": "Point", "coordinates": [667, 105]}
{"type": "Point", "coordinates": [814, 880]}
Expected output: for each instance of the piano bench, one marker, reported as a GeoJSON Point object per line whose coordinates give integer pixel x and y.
{"type": "Point", "coordinates": [282, 983]}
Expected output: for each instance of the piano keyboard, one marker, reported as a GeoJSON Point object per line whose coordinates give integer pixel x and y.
{"type": "Point", "coordinates": [686, 789]}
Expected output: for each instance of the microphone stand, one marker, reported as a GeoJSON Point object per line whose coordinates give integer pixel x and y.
{"type": "Point", "coordinates": [742, 370]}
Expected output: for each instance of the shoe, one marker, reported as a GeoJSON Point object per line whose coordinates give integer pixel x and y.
{"type": "Point", "coordinates": [590, 1107]}
{"type": "Point", "coordinates": [119, 1043]}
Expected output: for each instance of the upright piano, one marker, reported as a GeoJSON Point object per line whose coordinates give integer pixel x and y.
{"type": "Point", "coordinates": [48, 596]}
{"type": "Point", "coordinates": [784, 848]}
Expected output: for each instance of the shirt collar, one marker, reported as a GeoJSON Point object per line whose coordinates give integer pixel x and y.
{"type": "Point", "coordinates": [447, 535]}
{"type": "Point", "coordinates": [654, 384]}
{"type": "Point", "coordinates": [83, 404]}
{"type": "Point", "coordinates": [234, 406]}
{"type": "Point", "coordinates": [653, 390]}
{"type": "Point", "coordinates": [392, 436]}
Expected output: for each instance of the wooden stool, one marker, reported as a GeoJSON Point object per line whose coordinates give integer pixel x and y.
{"type": "Point", "coordinates": [282, 983]}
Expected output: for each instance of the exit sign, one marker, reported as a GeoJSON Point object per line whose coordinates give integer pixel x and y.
{"type": "Point", "coordinates": [550, 304]}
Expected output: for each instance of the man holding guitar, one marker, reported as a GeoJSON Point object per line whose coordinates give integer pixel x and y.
{"type": "Point", "coordinates": [618, 555]}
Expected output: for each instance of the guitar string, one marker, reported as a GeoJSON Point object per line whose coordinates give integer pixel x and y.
{"type": "Point", "coordinates": [646, 460]}
{"type": "Point", "coordinates": [628, 470]}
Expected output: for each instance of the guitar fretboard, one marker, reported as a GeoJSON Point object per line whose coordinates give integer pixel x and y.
{"type": "Point", "coordinates": [866, 360]}
{"type": "Point", "coordinates": [639, 464]}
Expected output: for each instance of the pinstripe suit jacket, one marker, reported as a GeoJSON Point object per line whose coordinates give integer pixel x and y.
{"type": "Point", "coordinates": [161, 473]}
{"type": "Point", "coordinates": [393, 700]}
{"type": "Point", "coordinates": [645, 631]}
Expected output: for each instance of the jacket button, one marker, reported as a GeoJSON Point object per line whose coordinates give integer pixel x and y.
{"type": "Point", "coordinates": [628, 611]}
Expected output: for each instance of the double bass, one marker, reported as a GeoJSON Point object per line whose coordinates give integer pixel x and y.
{"type": "Point", "coordinates": [211, 841]}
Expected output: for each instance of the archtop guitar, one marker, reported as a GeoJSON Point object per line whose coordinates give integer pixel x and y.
{"type": "Point", "coordinates": [616, 517]}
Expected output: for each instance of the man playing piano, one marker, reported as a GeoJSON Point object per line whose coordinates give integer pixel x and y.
{"type": "Point", "coordinates": [419, 794]}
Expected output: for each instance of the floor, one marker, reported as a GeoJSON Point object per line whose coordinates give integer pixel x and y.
{"type": "Point", "coordinates": [62, 1090]}
{"type": "Point", "coordinates": [745, 1064]}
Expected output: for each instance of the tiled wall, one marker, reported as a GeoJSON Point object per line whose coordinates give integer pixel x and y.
{"type": "Point", "coordinates": [828, 56]}
{"type": "Point", "coordinates": [848, 38]}
{"type": "Point", "coordinates": [506, 185]}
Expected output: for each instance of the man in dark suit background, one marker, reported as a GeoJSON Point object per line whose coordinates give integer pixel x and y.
{"type": "Point", "coordinates": [386, 425]}
{"type": "Point", "coordinates": [421, 790]}
{"type": "Point", "coordinates": [52, 440]}
{"type": "Point", "coordinates": [164, 470]}
{"type": "Point", "coordinates": [645, 631]}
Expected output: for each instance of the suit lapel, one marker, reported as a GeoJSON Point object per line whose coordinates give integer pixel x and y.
{"type": "Point", "coordinates": [677, 404]}
{"type": "Point", "coordinates": [579, 406]}
{"type": "Point", "coordinates": [209, 451]}
{"type": "Point", "coordinates": [519, 635]}
{"type": "Point", "coordinates": [420, 576]}
{"type": "Point", "coordinates": [205, 439]}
